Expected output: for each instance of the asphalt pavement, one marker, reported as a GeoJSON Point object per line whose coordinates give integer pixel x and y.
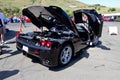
{"type": "Point", "coordinates": [96, 63]}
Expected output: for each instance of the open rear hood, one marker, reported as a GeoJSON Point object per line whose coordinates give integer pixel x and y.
{"type": "Point", "coordinates": [36, 14]}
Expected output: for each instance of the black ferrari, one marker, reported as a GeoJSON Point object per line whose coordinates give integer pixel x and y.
{"type": "Point", "coordinates": [59, 38]}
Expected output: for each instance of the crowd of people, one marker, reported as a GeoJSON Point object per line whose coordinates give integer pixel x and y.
{"type": "Point", "coordinates": [17, 19]}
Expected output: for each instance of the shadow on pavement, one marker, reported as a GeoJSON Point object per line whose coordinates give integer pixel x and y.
{"type": "Point", "coordinates": [10, 34]}
{"type": "Point", "coordinates": [6, 74]}
{"type": "Point", "coordinates": [11, 42]}
{"type": "Point", "coordinates": [11, 53]}
{"type": "Point", "coordinates": [100, 45]}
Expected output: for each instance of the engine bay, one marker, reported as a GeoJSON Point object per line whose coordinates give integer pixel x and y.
{"type": "Point", "coordinates": [53, 33]}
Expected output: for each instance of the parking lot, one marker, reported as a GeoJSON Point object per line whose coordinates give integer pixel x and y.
{"type": "Point", "coordinates": [96, 63]}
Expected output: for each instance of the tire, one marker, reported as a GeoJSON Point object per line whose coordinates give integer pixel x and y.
{"type": "Point", "coordinates": [65, 55]}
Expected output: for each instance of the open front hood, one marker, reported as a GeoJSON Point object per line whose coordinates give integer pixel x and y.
{"type": "Point", "coordinates": [48, 16]}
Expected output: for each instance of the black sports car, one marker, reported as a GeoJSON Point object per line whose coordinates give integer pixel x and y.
{"type": "Point", "coordinates": [62, 39]}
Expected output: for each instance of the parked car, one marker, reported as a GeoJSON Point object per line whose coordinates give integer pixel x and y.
{"type": "Point", "coordinates": [28, 20]}
{"type": "Point", "coordinates": [58, 39]}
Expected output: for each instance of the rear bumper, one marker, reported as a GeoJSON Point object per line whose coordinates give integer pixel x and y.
{"type": "Point", "coordinates": [48, 57]}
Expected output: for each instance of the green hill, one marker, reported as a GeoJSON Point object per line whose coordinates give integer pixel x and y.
{"type": "Point", "coordinates": [25, 3]}
{"type": "Point", "coordinates": [15, 6]}
{"type": "Point", "coordinates": [68, 5]}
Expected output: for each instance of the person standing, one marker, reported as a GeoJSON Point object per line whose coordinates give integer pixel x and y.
{"type": "Point", "coordinates": [22, 18]}
{"type": "Point", "coordinates": [2, 30]}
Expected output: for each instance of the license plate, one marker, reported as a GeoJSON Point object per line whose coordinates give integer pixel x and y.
{"type": "Point", "coordinates": [25, 48]}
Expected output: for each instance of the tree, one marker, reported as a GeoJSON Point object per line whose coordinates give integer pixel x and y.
{"type": "Point", "coordinates": [11, 11]}
{"type": "Point", "coordinates": [111, 9]}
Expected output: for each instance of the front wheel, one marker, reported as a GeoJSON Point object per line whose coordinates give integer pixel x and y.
{"type": "Point", "coordinates": [65, 55]}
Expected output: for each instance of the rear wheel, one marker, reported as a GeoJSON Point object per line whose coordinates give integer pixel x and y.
{"type": "Point", "coordinates": [65, 55]}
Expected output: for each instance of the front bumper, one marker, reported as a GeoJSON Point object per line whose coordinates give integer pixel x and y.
{"type": "Point", "coordinates": [48, 57]}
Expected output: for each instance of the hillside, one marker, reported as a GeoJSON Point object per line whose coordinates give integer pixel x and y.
{"type": "Point", "coordinates": [25, 3]}
{"type": "Point", "coordinates": [68, 5]}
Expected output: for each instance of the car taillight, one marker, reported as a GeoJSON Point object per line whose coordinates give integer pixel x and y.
{"type": "Point", "coordinates": [46, 43]}
{"type": "Point", "coordinates": [49, 44]}
{"type": "Point", "coordinates": [43, 43]}
{"type": "Point", "coordinates": [18, 35]}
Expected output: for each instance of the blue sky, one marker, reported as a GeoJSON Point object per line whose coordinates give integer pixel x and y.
{"type": "Point", "coordinates": [108, 3]}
